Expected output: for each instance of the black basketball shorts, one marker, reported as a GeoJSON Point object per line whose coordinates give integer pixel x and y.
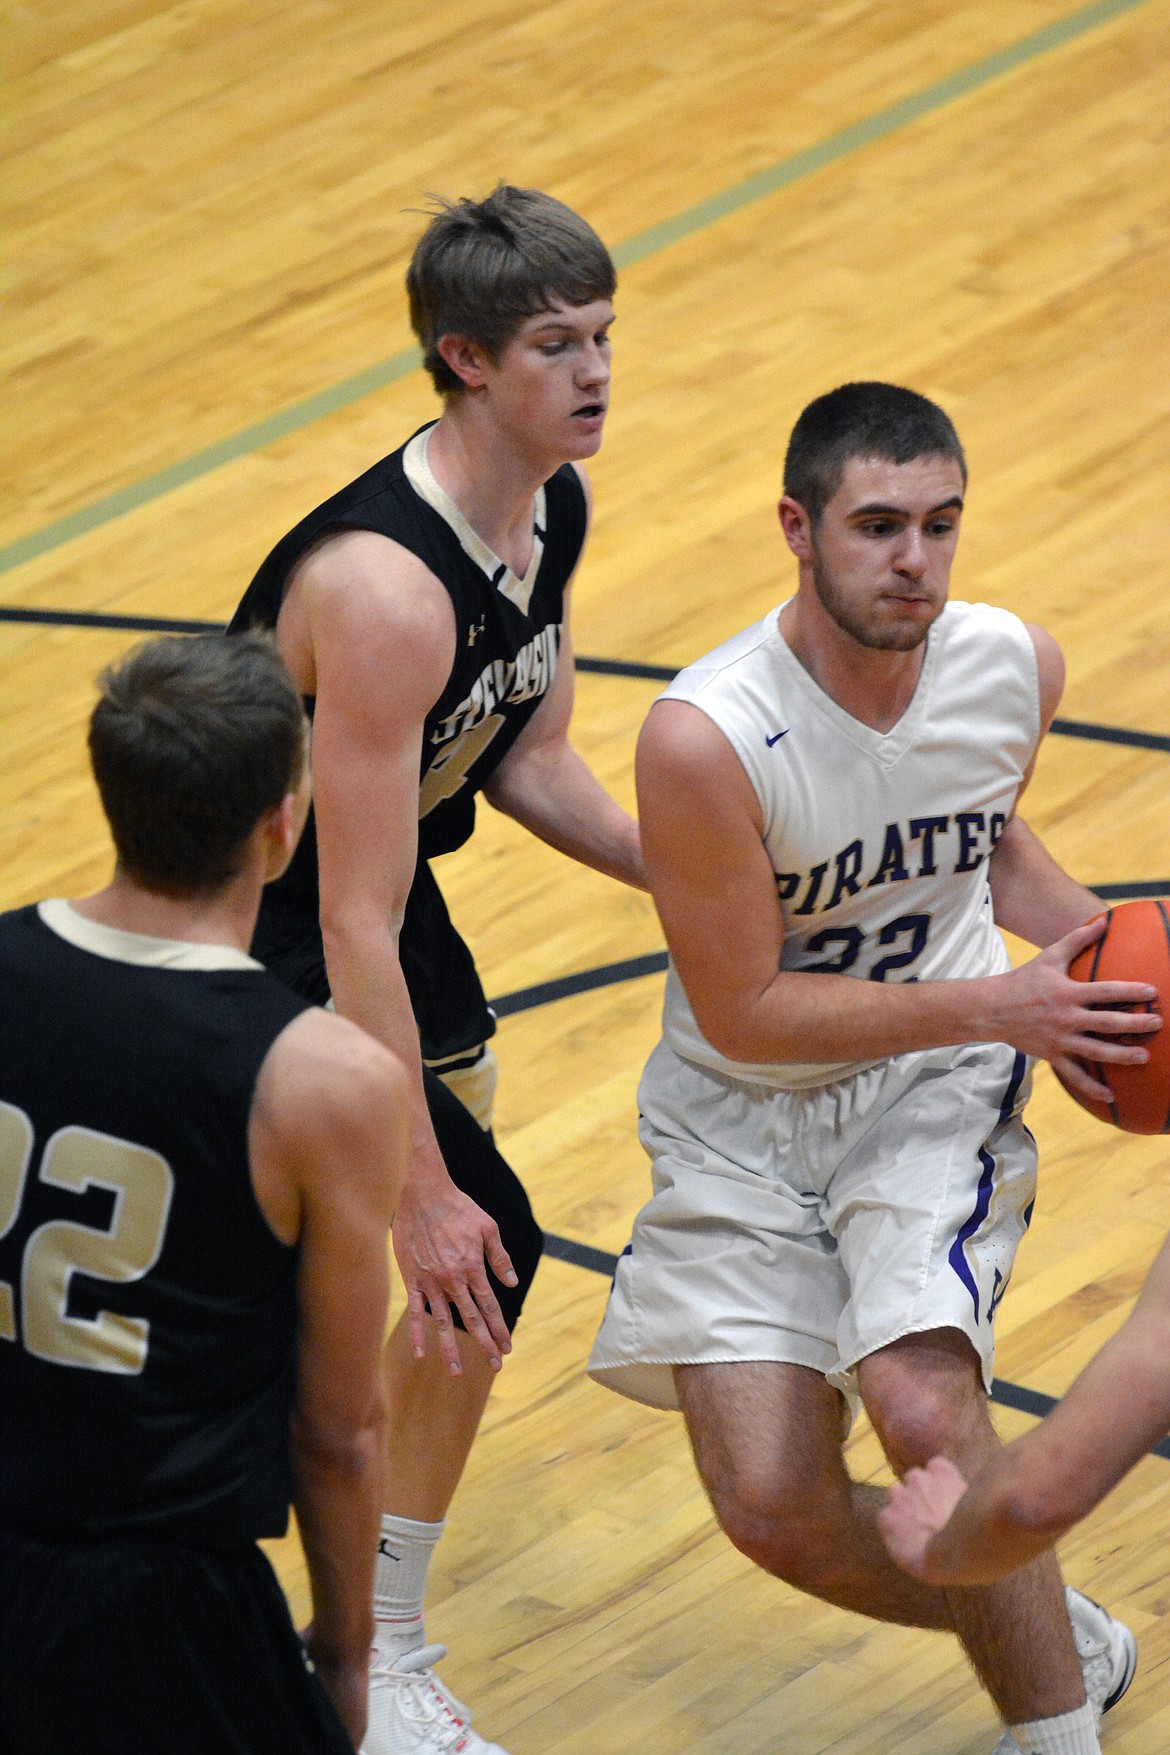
{"type": "Point", "coordinates": [452, 1016]}
{"type": "Point", "coordinates": [153, 1648]}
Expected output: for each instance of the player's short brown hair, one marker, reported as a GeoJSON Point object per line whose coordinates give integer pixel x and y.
{"type": "Point", "coordinates": [867, 419]}
{"type": "Point", "coordinates": [191, 741]}
{"type": "Point", "coordinates": [482, 267]}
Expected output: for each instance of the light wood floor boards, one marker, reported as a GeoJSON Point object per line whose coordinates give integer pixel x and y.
{"type": "Point", "coordinates": [210, 208]}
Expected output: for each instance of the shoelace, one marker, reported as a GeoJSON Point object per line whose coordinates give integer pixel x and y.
{"type": "Point", "coordinates": [425, 1701]}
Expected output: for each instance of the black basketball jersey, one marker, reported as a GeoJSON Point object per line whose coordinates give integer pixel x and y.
{"type": "Point", "coordinates": [507, 631]}
{"type": "Point", "coordinates": [147, 1311]}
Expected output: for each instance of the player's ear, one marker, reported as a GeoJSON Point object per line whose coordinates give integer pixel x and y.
{"type": "Point", "coordinates": [797, 527]}
{"type": "Point", "coordinates": [280, 830]}
{"type": "Point", "coordinates": [466, 358]}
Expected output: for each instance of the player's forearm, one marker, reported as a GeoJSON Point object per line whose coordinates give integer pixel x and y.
{"type": "Point", "coordinates": [556, 796]}
{"type": "Point", "coordinates": [368, 986]}
{"type": "Point", "coordinates": [805, 1017]}
{"type": "Point", "coordinates": [993, 1529]}
{"type": "Point", "coordinates": [337, 1502]}
{"type": "Point", "coordinates": [1031, 894]}
{"type": "Point", "coordinates": [1036, 1489]}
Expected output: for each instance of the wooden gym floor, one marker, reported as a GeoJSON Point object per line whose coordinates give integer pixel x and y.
{"type": "Point", "coordinates": [211, 206]}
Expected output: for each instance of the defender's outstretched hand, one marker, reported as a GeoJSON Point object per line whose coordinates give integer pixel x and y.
{"type": "Point", "coordinates": [919, 1506]}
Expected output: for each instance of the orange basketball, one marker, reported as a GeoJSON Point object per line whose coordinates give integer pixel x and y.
{"type": "Point", "coordinates": [1135, 947]}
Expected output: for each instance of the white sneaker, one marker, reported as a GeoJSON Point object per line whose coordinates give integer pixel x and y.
{"type": "Point", "coordinates": [1107, 1650]}
{"type": "Point", "coordinates": [412, 1713]}
{"type": "Point", "coordinates": [1108, 1653]}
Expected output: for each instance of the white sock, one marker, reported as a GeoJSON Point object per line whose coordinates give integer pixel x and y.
{"type": "Point", "coordinates": [400, 1581]}
{"type": "Point", "coordinates": [1070, 1733]}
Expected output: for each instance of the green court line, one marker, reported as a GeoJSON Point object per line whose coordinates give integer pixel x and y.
{"type": "Point", "coordinates": [648, 243]}
{"type": "Point", "coordinates": [229, 450]}
{"type": "Point", "coordinates": [872, 128]}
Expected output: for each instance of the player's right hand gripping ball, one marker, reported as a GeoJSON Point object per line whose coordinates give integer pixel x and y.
{"type": "Point", "coordinates": [1135, 946]}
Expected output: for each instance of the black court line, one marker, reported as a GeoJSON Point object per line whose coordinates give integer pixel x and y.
{"type": "Point", "coordinates": [623, 667]}
{"type": "Point", "coordinates": [81, 618]}
{"type": "Point", "coordinates": [1142, 740]}
{"type": "Point", "coordinates": [581, 1255]}
{"type": "Point", "coordinates": [525, 999]}
{"type": "Point", "coordinates": [147, 624]}
{"type": "Point", "coordinates": [1131, 892]}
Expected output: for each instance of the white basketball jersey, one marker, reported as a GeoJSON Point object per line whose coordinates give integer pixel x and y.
{"type": "Point", "coordinates": [879, 840]}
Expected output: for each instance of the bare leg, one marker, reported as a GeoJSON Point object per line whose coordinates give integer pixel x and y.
{"type": "Point", "coordinates": [433, 1420]}
{"type": "Point", "coordinates": [767, 1442]}
{"type": "Point", "coordinates": [925, 1398]}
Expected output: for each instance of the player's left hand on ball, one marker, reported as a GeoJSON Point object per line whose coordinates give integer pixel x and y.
{"type": "Point", "coordinates": [918, 1507]}
{"type": "Point", "coordinates": [444, 1244]}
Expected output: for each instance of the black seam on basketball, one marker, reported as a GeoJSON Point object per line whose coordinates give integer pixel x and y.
{"type": "Point", "coordinates": [1161, 907]}
{"type": "Point", "coordinates": [1100, 944]}
{"type": "Point", "coordinates": [1099, 1065]}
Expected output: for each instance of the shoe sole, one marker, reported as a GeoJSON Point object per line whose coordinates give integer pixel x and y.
{"type": "Point", "coordinates": [1129, 1644]}
{"type": "Point", "coordinates": [1127, 1675]}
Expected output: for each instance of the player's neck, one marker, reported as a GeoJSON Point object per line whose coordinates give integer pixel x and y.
{"type": "Point", "coordinates": [223, 917]}
{"type": "Point", "coordinates": [492, 482]}
{"type": "Point", "coordinates": [873, 686]}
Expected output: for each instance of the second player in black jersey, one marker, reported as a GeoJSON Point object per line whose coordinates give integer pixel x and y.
{"type": "Point", "coordinates": [197, 1172]}
{"type": "Point", "coordinates": [423, 611]}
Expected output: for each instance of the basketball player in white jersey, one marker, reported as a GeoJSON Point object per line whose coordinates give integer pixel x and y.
{"type": "Point", "coordinates": [841, 1170]}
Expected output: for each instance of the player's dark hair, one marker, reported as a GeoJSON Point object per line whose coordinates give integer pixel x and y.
{"type": "Point", "coordinates": [862, 420]}
{"type": "Point", "coordinates": [482, 267]}
{"type": "Point", "coordinates": [191, 741]}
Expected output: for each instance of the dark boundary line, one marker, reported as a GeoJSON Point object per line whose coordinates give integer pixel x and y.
{"type": "Point", "coordinates": [153, 624]}
{"type": "Point", "coordinates": [624, 667]}
{"type": "Point", "coordinates": [1031, 1401]}
{"type": "Point", "coordinates": [1131, 892]}
{"type": "Point", "coordinates": [1142, 740]}
{"type": "Point", "coordinates": [581, 1255]}
{"type": "Point", "coordinates": [526, 999]}
{"type": "Point", "coordinates": [85, 618]}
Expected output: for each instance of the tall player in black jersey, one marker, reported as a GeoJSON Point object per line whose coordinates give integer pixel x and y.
{"type": "Point", "coordinates": [423, 611]}
{"type": "Point", "coordinates": [197, 1176]}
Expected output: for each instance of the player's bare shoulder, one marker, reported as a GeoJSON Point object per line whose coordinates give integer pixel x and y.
{"type": "Point", "coordinates": [358, 601]}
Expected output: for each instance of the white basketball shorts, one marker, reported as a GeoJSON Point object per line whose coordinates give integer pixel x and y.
{"type": "Point", "coordinates": [813, 1227]}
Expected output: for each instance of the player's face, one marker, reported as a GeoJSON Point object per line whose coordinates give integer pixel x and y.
{"type": "Point", "coordinates": [550, 386]}
{"type": "Point", "coordinates": [881, 553]}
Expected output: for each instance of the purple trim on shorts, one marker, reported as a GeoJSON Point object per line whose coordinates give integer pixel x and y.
{"type": "Point", "coordinates": [957, 1258]}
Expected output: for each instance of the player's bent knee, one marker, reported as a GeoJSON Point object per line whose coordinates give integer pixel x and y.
{"type": "Point", "coordinates": [919, 1423]}
{"type": "Point", "coordinates": [781, 1531]}
{"type": "Point", "coordinates": [790, 1545]}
